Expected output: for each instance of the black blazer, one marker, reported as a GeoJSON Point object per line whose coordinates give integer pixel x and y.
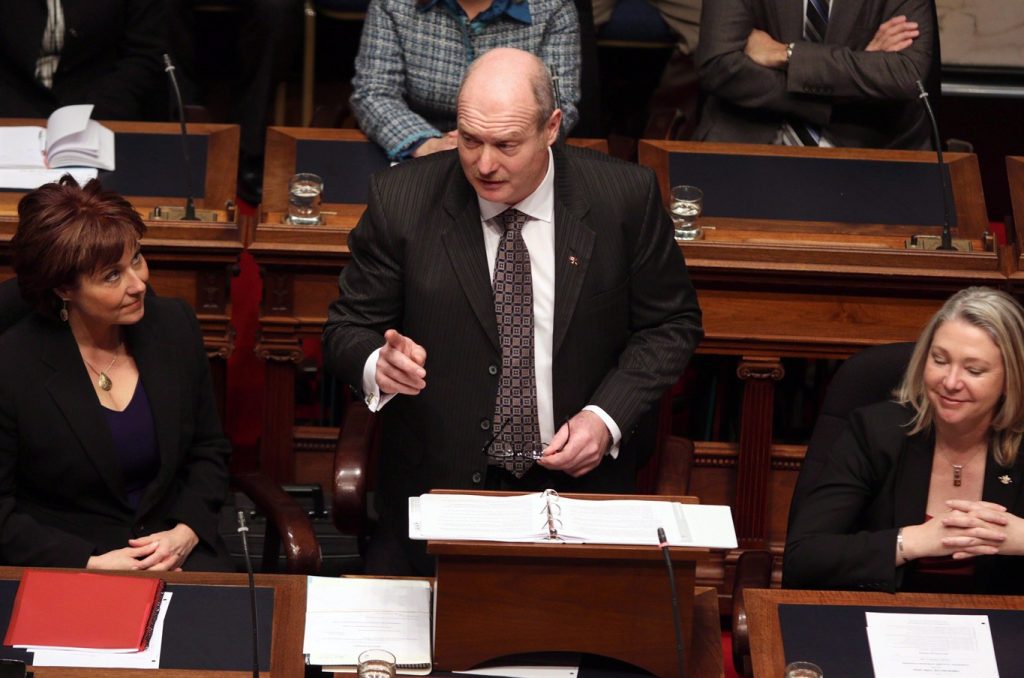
{"type": "Point", "coordinates": [843, 534]}
{"type": "Point", "coordinates": [858, 99]}
{"type": "Point", "coordinates": [61, 491]}
{"type": "Point", "coordinates": [111, 57]}
{"type": "Point", "coordinates": [626, 318]}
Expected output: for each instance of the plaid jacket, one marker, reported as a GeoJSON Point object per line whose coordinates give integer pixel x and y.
{"type": "Point", "coordinates": [411, 60]}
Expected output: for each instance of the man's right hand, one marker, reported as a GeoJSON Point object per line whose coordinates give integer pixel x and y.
{"type": "Point", "coordinates": [894, 35]}
{"type": "Point", "coordinates": [400, 365]}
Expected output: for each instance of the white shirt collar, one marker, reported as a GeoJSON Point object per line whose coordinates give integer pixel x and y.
{"type": "Point", "coordinates": [538, 205]}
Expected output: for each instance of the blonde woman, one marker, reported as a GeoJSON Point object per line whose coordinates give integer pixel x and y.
{"type": "Point", "coordinates": [925, 492]}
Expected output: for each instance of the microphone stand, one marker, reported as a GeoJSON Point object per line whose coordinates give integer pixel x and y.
{"type": "Point", "coordinates": [190, 206]}
{"type": "Point", "coordinates": [680, 658]}
{"type": "Point", "coordinates": [243, 530]}
{"type": "Point", "coordinates": [947, 236]}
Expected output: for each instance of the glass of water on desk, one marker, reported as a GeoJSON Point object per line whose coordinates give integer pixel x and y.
{"type": "Point", "coordinates": [803, 670]}
{"type": "Point", "coordinates": [304, 195]}
{"type": "Point", "coordinates": [687, 203]}
{"type": "Point", "coordinates": [377, 663]}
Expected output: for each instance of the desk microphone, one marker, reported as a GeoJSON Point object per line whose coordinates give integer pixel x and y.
{"type": "Point", "coordinates": [243, 530]}
{"type": "Point", "coordinates": [947, 236]}
{"type": "Point", "coordinates": [190, 205]}
{"type": "Point", "coordinates": [663, 545]}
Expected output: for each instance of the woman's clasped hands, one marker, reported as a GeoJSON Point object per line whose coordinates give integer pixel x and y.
{"type": "Point", "coordinates": [162, 551]}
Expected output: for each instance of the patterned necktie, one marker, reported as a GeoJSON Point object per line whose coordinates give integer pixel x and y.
{"type": "Point", "coordinates": [515, 412]}
{"type": "Point", "coordinates": [815, 25]}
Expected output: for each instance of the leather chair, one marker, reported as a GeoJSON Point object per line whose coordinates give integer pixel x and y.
{"type": "Point", "coordinates": [288, 526]}
{"type": "Point", "coordinates": [867, 377]}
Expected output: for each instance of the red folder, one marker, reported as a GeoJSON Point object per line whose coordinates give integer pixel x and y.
{"type": "Point", "coordinates": [83, 610]}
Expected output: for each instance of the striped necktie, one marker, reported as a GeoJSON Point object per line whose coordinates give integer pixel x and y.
{"type": "Point", "coordinates": [815, 26]}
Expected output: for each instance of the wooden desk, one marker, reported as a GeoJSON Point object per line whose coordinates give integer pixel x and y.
{"type": "Point", "coordinates": [286, 658]}
{"type": "Point", "coordinates": [300, 267]}
{"type": "Point", "coordinates": [707, 637]}
{"type": "Point", "coordinates": [772, 286]}
{"type": "Point", "coordinates": [766, 646]}
{"type": "Point", "coordinates": [190, 260]}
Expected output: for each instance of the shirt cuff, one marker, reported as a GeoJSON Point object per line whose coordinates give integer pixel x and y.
{"type": "Point", "coordinates": [613, 429]}
{"type": "Point", "coordinates": [372, 396]}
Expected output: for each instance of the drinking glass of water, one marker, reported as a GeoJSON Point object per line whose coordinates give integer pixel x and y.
{"type": "Point", "coordinates": [687, 203]}
{"type": "Point", "coordinates": [803, 670]}
{"type": "Point", "coordinates": [304, 191]}
{"type": "Point", "coordinates": [377, 663]}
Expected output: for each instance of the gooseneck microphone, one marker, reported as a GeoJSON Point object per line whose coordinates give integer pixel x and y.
{"type": "Point", "coordinates": [680, 658]}
{"type": "Point", "coordinates": [243, 530]}
{"type": "Point", "coordinates": [190, 205]}
{"type": "Point", "coordinates": [947, 235]}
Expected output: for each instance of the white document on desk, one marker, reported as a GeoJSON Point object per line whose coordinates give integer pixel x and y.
{"type": "Point", "coordinates": [345, 616]}
{"type": "Point", "coordinates": [921, 645]}
{"type": "Point", "coordinates": [147, 659]}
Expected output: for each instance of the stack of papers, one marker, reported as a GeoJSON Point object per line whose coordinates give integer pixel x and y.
{"type": "Point", "coordinates": [945, 645]}
{"type": "Point", "coordinates": [344, 617]}
{"type": "Point", "coordinates": [86, 619]}
{"type": "Point", "coordinates": [108, 659]}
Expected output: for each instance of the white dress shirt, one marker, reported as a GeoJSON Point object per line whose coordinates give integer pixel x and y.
{"type": "Point", "coordinates": [539, 236]}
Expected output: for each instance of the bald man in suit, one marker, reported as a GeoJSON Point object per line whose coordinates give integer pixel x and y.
{"type": "Point", "coordinates": [768, 80]}
{"type": "Point", "coordinates": [415, 329]}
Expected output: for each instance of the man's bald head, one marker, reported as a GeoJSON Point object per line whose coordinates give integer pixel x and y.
{"type": "Point", "coordinates": [507, 121]}
{"type": "Point", "coordinates": [517, 74]}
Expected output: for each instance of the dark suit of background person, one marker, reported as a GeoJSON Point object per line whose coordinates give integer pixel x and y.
{"type": "Point", "coordinates": [876, 480]}
{"type": "Point", "coordinates": [61, 493]}
{"type": "Point", "coordinates": [626, 318]}
{"type": "Point", "coordinates": [857, 98]}
{"type": "Point", "coordinates": [111, 58]}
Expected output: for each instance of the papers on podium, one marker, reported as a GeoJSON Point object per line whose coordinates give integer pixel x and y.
{"type": "Point", "coordinates": [70, 139]}
{"type": "Point", "coordinates": [346, 616]}
{"type": "Point", "coordinates": [548, 517]}
{"type": "Point", "coordinates": [947, 645]}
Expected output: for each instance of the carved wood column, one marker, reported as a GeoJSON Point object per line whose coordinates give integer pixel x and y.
{"type": "Point", "coordinates": [278, 346]}
{"type": "Point", "coordinates": [754, 463]}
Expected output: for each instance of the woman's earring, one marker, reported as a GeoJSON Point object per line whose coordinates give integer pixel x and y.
{"type": "Point", "coordinates": [64, 310]}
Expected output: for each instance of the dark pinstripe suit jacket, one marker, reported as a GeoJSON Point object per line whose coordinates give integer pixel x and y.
{"type": "Point", "coordinates": [858, 99]}
{"type": "Point", "coordinates": [626, 315]}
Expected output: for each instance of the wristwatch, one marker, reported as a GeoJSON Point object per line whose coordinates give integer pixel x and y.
{"type": "Point", "coordinates": [789, 51]}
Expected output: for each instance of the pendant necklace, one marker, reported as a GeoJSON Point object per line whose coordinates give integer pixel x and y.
{"type": "Point", "coordinates": [958, 471]}
{"type": "Point", "coordinates": [103, 381]}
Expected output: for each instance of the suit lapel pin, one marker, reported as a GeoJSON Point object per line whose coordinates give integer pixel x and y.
{"type": "Point", "coordinates": [1005, 479]}
{"type": "Point", "coordinates": [573, 261]}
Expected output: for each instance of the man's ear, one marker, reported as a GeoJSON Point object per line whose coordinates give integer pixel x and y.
{"type": "Point", "coordinates": [553, 126]}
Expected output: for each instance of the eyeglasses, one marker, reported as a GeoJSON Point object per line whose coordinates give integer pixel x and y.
{"type": "Point", "coordinates": [504, 451]}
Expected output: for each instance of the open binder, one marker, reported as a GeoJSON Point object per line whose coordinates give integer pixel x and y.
{"type": "Point", "coordinates": [546, 516]}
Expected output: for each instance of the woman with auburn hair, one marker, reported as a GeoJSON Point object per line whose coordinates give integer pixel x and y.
{"type": "Point", "coordinates": [926, 492]}
{"type": "Point", "coordinates": [111, 450]}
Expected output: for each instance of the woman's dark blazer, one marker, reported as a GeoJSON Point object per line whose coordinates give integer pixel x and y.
{"type": "Point", "coordinates": [62, 496]}
{"type": "Point", "coordinates": [843, 534]}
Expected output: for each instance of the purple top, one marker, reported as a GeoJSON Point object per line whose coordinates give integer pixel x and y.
{"type": "Point", "coordinates": [135, 444]}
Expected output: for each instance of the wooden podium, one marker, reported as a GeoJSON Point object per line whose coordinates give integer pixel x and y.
{"type": "Point", "coordinates": [497, 598]}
